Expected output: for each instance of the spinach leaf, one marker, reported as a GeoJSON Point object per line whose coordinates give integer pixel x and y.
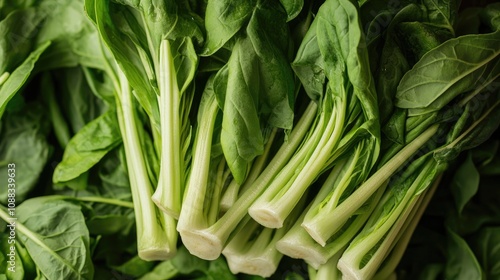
{"type": "Point", "coordinates": [393, 62]}
{"type": "Point", "coordinates": [448, 70]}
{"type": "Point", "coordinates": [465, 183]}
{"type": "Point", "coordinates": [461, 262]}
{"type": "Point", "coordinates": [81, 154]}
{"type": "Point", "coordinates": [292, 7]}
{"type": "Point", "coordinates": [256, 88]}
{"type": "Point", "coordinates": [55, 235]}
{"type": "Point", "coordinates": [485, 246]}
{"type": "Point", "coordinates": [18, 77]}
{"type": "Point", "coordinates": [442, 13]}
{"type": "Point", "coordinates": [23, 141]}
{"type": "Point", "coordinates": [17, 31]}
{"type": "Point", "coordinates": [73, 36]}
{"type": "Point", "coordinates": [223, 19]}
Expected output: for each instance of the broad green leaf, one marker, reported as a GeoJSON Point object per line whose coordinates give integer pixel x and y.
{"type": "Point", "coordinates": [393, 63]}
{"type": "Point", "coordinates": [461, 264]}
{"type": "Point", "coordinates": [309, 65]}
{"type": "Point", "coordinates": [23, 142]}
{"type": "Point", "coordinates": [56, 237]}
{"type": "Point", "coordinates": [418, 38]}
{"type": "Point", "coordinates": [223, 19]}
{"type": "Point", "coordinates": [486, 246]}
{"type": "Point", "coordinates": [292, 7]}
{"type": "Point", "coordinates": [465, 183]}
{"type": "Point", "coordinates": [256, 88]}
{"type": "Point", "coordinates": [17, 31]}
{"type": "Point", "coordinates": [74, 38]}
{"type": "Point", "coordinates": [241, 137]}
{"type": "Point", "coordinates": [447, 71]}
{"type": "Point", "coordinates": [88, 147]}
{"type": "Point", "coordinates": [483, 122]}
{"type": "Point", "coordinates": [274, 72]}
{"type": "Point", "coordinates": [19, 77]}
{"type": "Point", "coordinates": [442, 13]}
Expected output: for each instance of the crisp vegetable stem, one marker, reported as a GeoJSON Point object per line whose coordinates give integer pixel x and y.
{"type": "Point", "coordinates": [168, 195]}
{"type": "Point", "coordinates": [327, 270]}
{"type": "Point", "coordinates": [234, 189]}
{"type": "Point", "coordinates": [297, 243]}
{"type": "Point", "coordinates": [193, 215]}
{"type": "Point", "coordinates": [156, 234]}
{"type": "Point", "coordinates": [208, 243]}
{"type": "Point", "coordinates": [385, 235]}
{"type": "Point", "coordinates": [329, 223]}
{"type": "Point", "coordinates": [404, 237]}
{"type": "Point", "coordinates": [279, 199]}
{"type": "Point", "coordinates": [253, 249]}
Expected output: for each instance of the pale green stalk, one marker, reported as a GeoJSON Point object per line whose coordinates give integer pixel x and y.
{"type": "Point", "coordinates": [403, 239]}
{"type": "Point", "coordinates": [156, 234]}
{"type": "Point", "coordinates": [284, 192]}
{"type": "Point", "coordinates": [381, 232]}
{"type": "Point", "coordinates": [193, 214]}
{"type": "Point", "coordinates": [252, 250]}
{"type": "Point", "coordinates": [326, 271]}
{"type": "Point", "coordinates": [168, 195]}
{"type": "Point", "coordinates": [234, 189]}
{"type": "Point", "coordinates": [298, 244]}
{"type": "Point", "coordinates": [208, 243]}
{"type": "Point", "coordinates": [330, 222]}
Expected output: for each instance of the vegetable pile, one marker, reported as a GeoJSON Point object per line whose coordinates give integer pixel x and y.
{"type": "Point", "coordinates": [248, 139]}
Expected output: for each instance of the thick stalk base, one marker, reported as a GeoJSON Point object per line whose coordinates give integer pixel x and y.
{"type": "Point", "coordinates": [202, 244]}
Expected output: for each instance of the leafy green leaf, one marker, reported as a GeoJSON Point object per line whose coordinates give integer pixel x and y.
{"type": "Point", "coordinates": [486, 246]}
{"type": "Point", "coordinates": [442, 13]}
{"type": "Point", "coordinates": [256, 88]}
{"type": "Point", "coordinates": [73, 36]}
{"type": "Point", "coordinates": [223, 19]}
{"type": "Point", "coordinates": [17, 31]}
{"type": "Point", "coordinates": [465, 183]}
{"type": "Point", "coordinates": [292, 7]}
{"type": "Point", "coordinates": [447, 71]}
{"type": "Point", "coordinates": [81, 154]}
{"type": "Point", "coordinates": [461, 262]}
{"type": "Point", "coordinates": [24, 143]}
{"type": "Point", "coordinates": [19, 77]}
{"type": "Point", "coordinates": [56, 237]}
